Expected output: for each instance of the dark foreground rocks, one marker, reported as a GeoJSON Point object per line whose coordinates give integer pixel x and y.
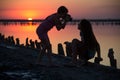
{"type": "Point", "coordinates": [19, 63]}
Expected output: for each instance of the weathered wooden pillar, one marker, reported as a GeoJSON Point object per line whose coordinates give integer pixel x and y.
{"type": "Point", "coordinates": [2, 38]}
{"type": "Point", "coordinates": [113, 62]}
{"type": "Point", "coordinates": [37, 44]}
{"type": "Point", "coordinates": [12, 40]}
{"type": "Point", "coordinates": [32, 44]}
{"type": "Point", "coordinates": [68, 49]}
{"type": "Point", "coordinates": [17, 41]}
{"type": "Point", "coordinates": [26, 43]}
{"type": "Point", "coordinates": [9, 40]}
{"type": "Point", "coordinates": [60, 49]}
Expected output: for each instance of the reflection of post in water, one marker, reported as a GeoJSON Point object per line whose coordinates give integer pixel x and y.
{"type": "Point", "coordinates": [113, 62]}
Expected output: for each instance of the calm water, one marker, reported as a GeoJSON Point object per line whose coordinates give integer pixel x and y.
{"type": "Point", "coordinates": [107, 35]}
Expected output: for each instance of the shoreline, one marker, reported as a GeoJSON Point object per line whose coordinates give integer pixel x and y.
{"type": "Point", "coordinates": [19, 63]}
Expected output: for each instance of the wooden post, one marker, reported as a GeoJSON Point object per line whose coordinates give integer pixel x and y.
{"type": "Point", "coordinates": [26, 43]}
{"type": "Point", "coordinates": [17, 41]}
{"type": "Point", "coordinates": [2, 38]}
{"type": "Point", "coordinates": [113, 62]}
{"type": "Point", "coordinates": [32, 45]}
{"type": "Point", "coordinates": [68, 49]}
{"type": "Point", "coordinates": [12, 40]}
{"type": "Point", "coordinates": [37, 44]}
{"type": "Point", "coordinates": [60, 49]}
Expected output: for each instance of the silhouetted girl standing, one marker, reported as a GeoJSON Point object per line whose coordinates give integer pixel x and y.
{"type": "Point", "coordinates": [59, 20]}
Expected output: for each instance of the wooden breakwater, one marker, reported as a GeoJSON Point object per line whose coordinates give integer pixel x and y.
{"type": "Point", "coordinates": [29, 43]}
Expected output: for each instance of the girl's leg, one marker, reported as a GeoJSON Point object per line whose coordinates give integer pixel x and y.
{"type": "Point", "coordinates": [42, 52]}
{"type": "Point", "coordinates": [43, 39]}
{"type": "Point", "coordinates": [48, 48]}
{"type": "Point", "coordinates": [78, 48]}
{"type": "Point", "coordinates": [49, 53]}
{"type": "Point", "coordinates": [75, 43]}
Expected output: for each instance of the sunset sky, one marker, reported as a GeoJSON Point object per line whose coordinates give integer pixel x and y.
{"type": "Point", "coordinates": [39, 9]}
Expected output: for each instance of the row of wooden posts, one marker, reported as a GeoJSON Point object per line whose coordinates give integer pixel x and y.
{"type": "Point", "coordinates": [37, 45]}
{"type": "Point", "coordinates": [11, 41]}
{"type": "Point", "coordinates": [113, 61]}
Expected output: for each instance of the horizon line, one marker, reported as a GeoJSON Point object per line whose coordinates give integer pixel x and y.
{"type": "Point", "coordinates": [39, 20]}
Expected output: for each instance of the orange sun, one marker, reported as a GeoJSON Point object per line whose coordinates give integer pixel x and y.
{"type": "Point", "coordinates": [29, 18]}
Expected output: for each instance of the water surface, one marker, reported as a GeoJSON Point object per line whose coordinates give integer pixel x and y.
{"type": "Point", "coordinates": [107, 35]}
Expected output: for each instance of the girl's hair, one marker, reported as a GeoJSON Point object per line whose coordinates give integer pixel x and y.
{"type": "Point", "coordinates": [62, 9]}
{"type": "Point", "coordinates": [88, 34]}
{"type": "Point", "coordinates": [86, 26]}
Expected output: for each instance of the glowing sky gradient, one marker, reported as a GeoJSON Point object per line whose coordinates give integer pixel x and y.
{"type": "Point", "coordinates": [38, 9]}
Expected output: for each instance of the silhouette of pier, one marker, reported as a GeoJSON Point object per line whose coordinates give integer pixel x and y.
{"type": "Point", "coordinates": [74, 21]}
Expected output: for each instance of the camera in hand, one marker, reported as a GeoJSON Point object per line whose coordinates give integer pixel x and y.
{"type": "Point", "coordinates": [68, 18]}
